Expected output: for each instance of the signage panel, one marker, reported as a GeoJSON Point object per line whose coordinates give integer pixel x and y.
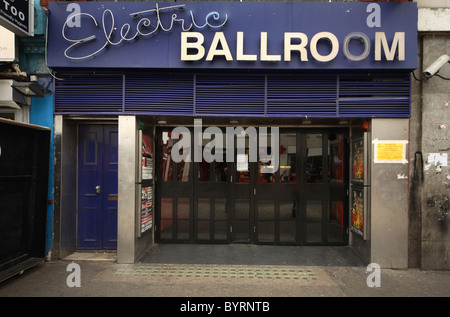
{"type": "Point", "coordinates": [18, 16]}
{"type": "Point", "coordinates": [233, 35]}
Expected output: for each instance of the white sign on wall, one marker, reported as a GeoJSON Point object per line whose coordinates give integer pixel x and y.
{"type": "Point", "coordinates": [8, 52]}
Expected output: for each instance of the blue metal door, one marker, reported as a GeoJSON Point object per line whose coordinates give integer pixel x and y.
{"type": "Point", "coordinates": [97, 186]}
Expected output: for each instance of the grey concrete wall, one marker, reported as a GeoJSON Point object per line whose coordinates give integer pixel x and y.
{"type": "Point", "coordinates": [65, 177]}
{"type": "Point", "coordinates": [435, 190]}
{"type": "Point", "coordinates": [389, 199]}
{"type": "Point", "coordinates": [415, 171]}
{"type": "Point", "coordinates": [126, 231]}
{"type": "Point", "coordinates": [130, 244]}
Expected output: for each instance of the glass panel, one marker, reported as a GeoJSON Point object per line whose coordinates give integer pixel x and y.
{"type": "Point", "coordinates": [336, 222]}
{"type": "Point", "coordinates": [221, 209]}
{"type": "Point", "coordinates": [336, 158]}
{"type": "Point", "coordinates": [166, 218]}
{"type": "Point", "coordinates": [288, 152]}
{"type": "Point", "coordinates": [242, 161]}
{"type": "Point", "coordinates": [242, 169]}
{"type": "Point", "coordinates": [358, 160]}
{"type": "Point", "coordinates": [314, 162]}
{"type": "Point", "coordinates": [242, 210]}
{"type": "Point", "coordinates": [166, 160]}
{"type": "Point", "coordinates": [216, 153]}
{"type": "Point", "coordinates": [147, 157]}
{"type": "Point", "coordinates": [182, 167]}
{"type": "Point", "coordinates": [220, 223]}
{"type": "Point", "coordinates": [265, 166]}
{"type": "Point", "coordinates": [241, 223]}
{"type": "Point", "coordinates": [266, 223]}
{"type": "Point", "coordinates": [183, 171]}
{"type": "Point", "coordinates": [203, 221]}
{"type": "Point", "coordinates": [220, 230]}
{"type": "Point", "coordinates": [220, 171]}
{"type": "Point", "coordinates": [287, 221]}
{"type": "Point", "coordinates": [183, 219]}
{"type": "Point", "coordinates": [203, 209]}
{"type": "Point", "coordinates": [204, 172]}
{"type": "Point", "coordinates": [314, 221]}
{"type": "Point", "coordinates": [203, 229]}
{"type": "Point", "coordinates": [265, 177]}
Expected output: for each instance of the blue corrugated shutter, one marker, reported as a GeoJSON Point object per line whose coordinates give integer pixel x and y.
{"type": "Point", "coordinates": [374, 96]}
{"type": "Point", "coordinates": [229, 95]}
{"type": "Point", "coordinates": [99, 94]}
{"type": "Point", "coordinates": [303, 95]}
{"type": "Point", "coordinates": [171, 94]}
{"type": "Point", "coordinates": [326, 96]}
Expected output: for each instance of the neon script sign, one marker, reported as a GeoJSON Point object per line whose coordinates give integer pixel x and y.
{"type": "Point", "coordinates": [144, 26]}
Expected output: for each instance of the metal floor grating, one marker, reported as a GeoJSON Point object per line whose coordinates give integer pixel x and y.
{"type": "Point", "coordinates": [214, 271]}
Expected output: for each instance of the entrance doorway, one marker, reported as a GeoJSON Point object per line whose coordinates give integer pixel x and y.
{"type": "Point", "coordinates": [304, 201]}
{"type": "Point", "coordinates": [97, 186]}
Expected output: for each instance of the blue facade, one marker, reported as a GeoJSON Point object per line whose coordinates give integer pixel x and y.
{"type": "Point", "coordinates": [32, 61]}
{"type": "Point", "coordinates": [41, 113]}
{"type": "Point", "coordinates": [225, 59]}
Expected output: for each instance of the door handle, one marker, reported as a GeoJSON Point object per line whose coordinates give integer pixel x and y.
{"type": "Point", "coordinates": [98, 189]}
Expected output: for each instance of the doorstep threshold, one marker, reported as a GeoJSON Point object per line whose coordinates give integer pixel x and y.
{"type": "Point", "coordinates": [97, 255]}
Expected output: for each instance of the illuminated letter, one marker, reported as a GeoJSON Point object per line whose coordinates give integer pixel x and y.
{"type": "Point", "coordinates": [397, 42]}
{"type": "Point", "coordinates": [264, 55]}
{"type": "Point", "coordinates": [84, 40]}
{"type": "Point", "coordinates": [289, 47]}
{"type": "Point", "coordinates": [374, 18]}
{"type": "Point", "coordinates": [240, 56]}
{"type": "Point", "coordinates": [185, 45]}
{"type": "Point", "coordinates": [364, 39]}
{"type": "Point", "coordinates": [219, 37]}
{"type": "Point", "coordinates": [334, 46]}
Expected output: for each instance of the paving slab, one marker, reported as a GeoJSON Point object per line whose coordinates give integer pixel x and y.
{"type": "Point", "coordinates": [259, 279]}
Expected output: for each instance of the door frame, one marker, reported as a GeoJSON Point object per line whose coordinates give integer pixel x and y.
{"type": "Point", "coordinates": [104, 245]}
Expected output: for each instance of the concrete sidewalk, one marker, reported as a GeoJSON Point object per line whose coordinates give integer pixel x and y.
{"type": "Point", "coordinates": [161, 274]}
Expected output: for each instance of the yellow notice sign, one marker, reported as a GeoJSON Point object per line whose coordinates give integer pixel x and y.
{"type": "Point", "coordinates": [392, 151]}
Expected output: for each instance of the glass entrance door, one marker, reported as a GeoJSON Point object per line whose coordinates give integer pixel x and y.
{"type": "Point", "coordinates": [212, 197]}
{"type": "Point", "coordinates": [324, 188]}
{"type": "Point", "coordinates": [174, 209]}
{"type": "Point", "coordinates": [295, 192]}
{"type": "Point", "coordinates": [276, 190]}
